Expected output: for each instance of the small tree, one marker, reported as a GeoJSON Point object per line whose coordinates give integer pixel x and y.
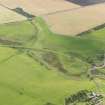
{"type": "Point", "coordinates": [49, 103]}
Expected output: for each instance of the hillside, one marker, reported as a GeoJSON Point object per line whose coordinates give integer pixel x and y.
{"type": "Point", "coordinates": [52, 52]}
{"type": "Point", "coordinates": [38, 66]}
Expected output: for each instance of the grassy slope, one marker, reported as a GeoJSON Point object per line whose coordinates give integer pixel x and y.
{"type": "Point", "coordinates": [78, 44]}
{"type": "Point", "coordinates": [24, 81]}
{"type": "Point", "coordinates": [21, 31]}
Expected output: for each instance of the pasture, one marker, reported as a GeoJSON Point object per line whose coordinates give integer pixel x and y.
{"type": "Point", "coordinates": [24, 77]}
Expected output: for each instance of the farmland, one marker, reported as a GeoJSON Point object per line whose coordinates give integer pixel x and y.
{"type": "Point", "coordinates": [64, 17]}
{"type": "Point", "coordinates": [9, 16]}
{"type": "Point", "coordinates": [27, 79]}
{"type": "Point", "coordinates": [42, 60]}
{"type": "Point", "coordinates": [36, 7]}
{"type": "Point", "coordinates": [76, 21]}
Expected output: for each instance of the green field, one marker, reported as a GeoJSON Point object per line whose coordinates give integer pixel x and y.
{"type": "Point", "coordinates": [38, 66]}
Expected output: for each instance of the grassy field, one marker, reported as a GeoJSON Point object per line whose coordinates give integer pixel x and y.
{"type": "Point", "coordinates": [44, 67]}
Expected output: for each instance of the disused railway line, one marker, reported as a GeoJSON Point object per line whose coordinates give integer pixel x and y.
{"type": "Point", "coordinates": [9, 42]}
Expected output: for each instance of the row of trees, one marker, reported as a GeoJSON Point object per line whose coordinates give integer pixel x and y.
{"type": "Point", "coordinates": [83, 96]}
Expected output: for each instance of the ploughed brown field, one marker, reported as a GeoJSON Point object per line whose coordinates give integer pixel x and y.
{"type": "Point", "coordinates": [38, 7]}
{"type": "Point", "coordinates": [76, 21]}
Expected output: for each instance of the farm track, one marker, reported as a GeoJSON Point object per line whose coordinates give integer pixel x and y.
{"type": "Point", "coordinates": [35, 37]}
{"type": "Point", "coordinates": [61, 11]}
{"type": "Point", "coordinates": [5, 7]}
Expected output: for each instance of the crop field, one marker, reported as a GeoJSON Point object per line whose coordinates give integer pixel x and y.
{"type": "Point", "coordinates": [40, 67]}
{"type": "Point", "coordinates": [76, 21]}
{"type": "Point", "coordinates": [37, 7]}
{"type": "Point", "coordinates": [7, 16]}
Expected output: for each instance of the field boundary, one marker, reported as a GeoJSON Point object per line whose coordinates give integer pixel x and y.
{"type": "Point", "coordinates": [92, 29]}
{"type": "Point", "coordinates": [60, 11]}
